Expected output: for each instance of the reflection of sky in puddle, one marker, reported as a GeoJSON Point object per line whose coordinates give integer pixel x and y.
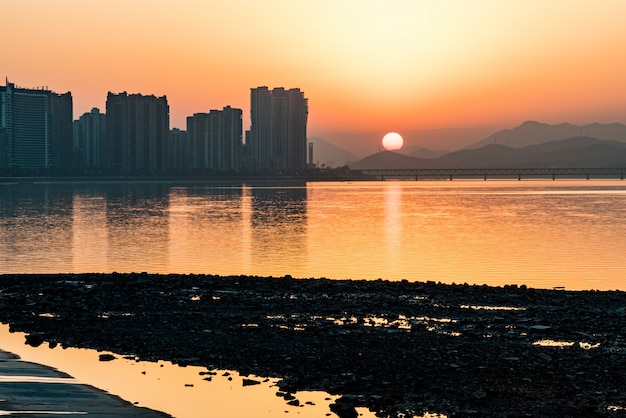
{"type": "Point", "coordinates": [492, 308]}
{"type": "Point", "coordinates": [555, 343]}
{"type": "Point", "coordinates": [179, 391]}
{"type": "Point", "coordinates": [401, 322]}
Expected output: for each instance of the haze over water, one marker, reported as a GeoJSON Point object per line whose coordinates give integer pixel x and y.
{"type": "Point", "coordinates": [542, 234]}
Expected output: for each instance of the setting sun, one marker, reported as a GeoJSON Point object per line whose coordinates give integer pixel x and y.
{"type": "Point", "coordinates": [392, 141]}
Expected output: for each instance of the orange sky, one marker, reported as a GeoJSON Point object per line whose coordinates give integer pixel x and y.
{"type": "Point", "coordinates": [441, 73]}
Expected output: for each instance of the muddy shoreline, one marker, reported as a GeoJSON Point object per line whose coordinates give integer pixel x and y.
{"type": "Point", "coordinates": [394, 347]}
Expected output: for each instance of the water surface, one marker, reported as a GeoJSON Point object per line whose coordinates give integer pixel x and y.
{"type": "Point", "coordinates": [535, 232]}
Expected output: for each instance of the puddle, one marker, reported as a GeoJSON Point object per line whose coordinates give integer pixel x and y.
{"type": "Point", "coordinates": [182, 392]}
{"type": "Point", "coordinates": [555, 343]}
{"type": "Point", "coordinates": [492, 308]}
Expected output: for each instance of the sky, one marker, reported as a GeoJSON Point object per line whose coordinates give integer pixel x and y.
{"type": "Point", "coordinates": [442, 73]}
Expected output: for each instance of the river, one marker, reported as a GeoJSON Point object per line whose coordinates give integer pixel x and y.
{"type": "Point", "coordinates": [540, 233]}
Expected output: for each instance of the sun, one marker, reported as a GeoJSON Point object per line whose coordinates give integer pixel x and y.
{"type": "Point", "coordinates": [392, 141]}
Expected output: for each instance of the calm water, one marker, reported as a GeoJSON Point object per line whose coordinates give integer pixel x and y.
{"type": "Point", "coordinates": [182, 392]}
{"type": "Point", "coordinates": [539, 233]}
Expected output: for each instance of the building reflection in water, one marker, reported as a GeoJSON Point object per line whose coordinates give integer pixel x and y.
{"type": "Point", "coordinates": [36, 225]}
{"type": "Point", "coordinates": [137, 227]}
{"type": "Point", "coordinates": [238, 229]}
{"type": "Point", "coordinates": [206, 227]}
{"type": "Point", "coordinates": [90, 234]}
{"type": "Point", "coordinates": [278, 227]}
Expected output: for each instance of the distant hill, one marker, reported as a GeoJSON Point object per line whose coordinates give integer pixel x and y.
{"type": "Point", "coordinates": [576, 152]}
{"type": "Point", "coordinates": [533, 133]}
{"type": "Point", "coordinates": [388, 160]}
{"type": "Point", "coordinates": [423, 153]}
{"type": "Point", "coordinates": [330, 155]}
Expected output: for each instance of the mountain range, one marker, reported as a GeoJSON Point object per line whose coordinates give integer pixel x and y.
{"type": "Point", "coordinates": [530, 145]}
{"type": "Point", "coordinates": [533, 133]}
{"type": "Point", "coordinates": [326, 154]}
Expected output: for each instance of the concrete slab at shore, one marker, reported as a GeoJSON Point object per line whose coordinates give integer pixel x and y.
{"type": "Point", "coordinates": [30, 389]}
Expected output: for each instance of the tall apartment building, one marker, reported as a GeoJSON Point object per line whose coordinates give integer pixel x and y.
{"type": "Point", "coordinates": [137, 128]}
{"type": "Point", "coordinates": [62, 133]}
{"type": "Point", "coordinates": [178, 149]}
{"type": "Point", "coordinates": [35, 128]}
{"type": "Point", "coordinates": [215, 139]}
{"type": "Point", "coordinates": [89, 133]}
{"type": "Point", "coordinates": [278, 128]}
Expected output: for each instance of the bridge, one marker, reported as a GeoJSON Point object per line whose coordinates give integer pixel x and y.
{"type": "Point", "coordinates": [500, 173]}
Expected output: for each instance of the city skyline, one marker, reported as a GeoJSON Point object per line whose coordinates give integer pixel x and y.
{"type": "Point", "coordinates": [38, 134]}
{"type": "Point", "coordinates": [442, 74]}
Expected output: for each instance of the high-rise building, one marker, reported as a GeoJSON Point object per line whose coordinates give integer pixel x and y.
{"type": "Point", "coordinates": [34, 129]}
{"type": "Point", "coordinates": [178, 149]}
{"type": "Point", "coordinates": [137, 128]}
{"type": "Point", "coordinates": [62, 111]}
{"type": "Point", "coordinates": [215, 139]}
{"type": "Point", "coordinates": [89, 133]}
{"type": "Point", "coordinates": [278, 128]}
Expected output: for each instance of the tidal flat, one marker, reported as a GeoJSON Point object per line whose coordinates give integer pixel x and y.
{"type": "Point", "coordinates": [398, 348]}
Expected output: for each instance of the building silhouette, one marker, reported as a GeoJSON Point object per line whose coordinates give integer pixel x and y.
{"type": "Point", "coordinates": [89, 133]}
{"type": "Point", "coordinates": [35, 132]}
{"type": "Point", "coordinates": [277, 138]}
{"type": "Point", "coordinates": [178, 150]}
{"type": "Point", "coordinates": [215, 139]}
{"type": "Point", "coordinates": [61, 108]}
{"type": "Point", "coordinates": [136, 133]}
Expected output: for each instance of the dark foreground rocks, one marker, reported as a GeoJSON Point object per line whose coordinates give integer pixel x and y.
{"type": "Point", "coordinates": [398, 348]}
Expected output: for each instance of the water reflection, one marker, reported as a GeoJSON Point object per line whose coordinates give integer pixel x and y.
{"type": "Point", "coordinates": [90, 231]}
{"type": "Point", "coordinates": [36, 226]}
{"type": "Point", "coordinates": [278, 228]}
{"type": "Point", "coordinates": [393, 226]}
{"type": "Point", "coordinates": [540, 233]}
{"type": "Point", "coordinates": [137, 227]}
{"type": "Point", "coordinates": [180, 391]}
{"type": "Point", "coordinates": [206, 228]}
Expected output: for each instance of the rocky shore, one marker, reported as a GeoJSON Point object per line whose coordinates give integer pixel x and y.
{"type": "Point", "coordinates": [398, 348]}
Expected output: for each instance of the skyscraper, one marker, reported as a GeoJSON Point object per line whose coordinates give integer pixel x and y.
{"type": "Point", "coordinates": [137, 128]}
{"type": "Point", "coordinates": [62, 111]}
{"type": "Point", "coordinates": [278, 128]}
{"type": "Point", "coordinates": [215, 139]}
{"type": "Point", "coordinates": [178, 150]}
{"type": "Point", "coordinates": [35, 128]}
{"type": "Point", "coordinates": [89, 132]}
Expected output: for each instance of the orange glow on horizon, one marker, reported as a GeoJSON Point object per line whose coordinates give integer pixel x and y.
{"type": "Point", "coordinates": [363, 65]}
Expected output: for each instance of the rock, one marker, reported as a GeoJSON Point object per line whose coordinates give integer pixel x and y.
{"type": "Point", "coordinates": [479, 394]}
{"type": "Point", "coordinates": [449, 357]}
{"type": "Point", "coordinates": [539, 328]}
{"type": "Point", "coordinates": [106, 357]}
{"type": "Point", "coordinates": [344, 409]}
{"type": "Point", "coordinates": [250, 382]}
{"type": "Point", "coordinates": [34, 339]}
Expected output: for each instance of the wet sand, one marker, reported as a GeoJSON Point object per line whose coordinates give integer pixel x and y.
{"type": "Point", "coordinates": [31, 390]}
{"type": "Point", "coordinates": [394, 347]}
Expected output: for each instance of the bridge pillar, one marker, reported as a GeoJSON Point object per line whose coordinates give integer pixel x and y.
{"type": "Point", "coordinates": [485, 177]}
{"type": "Point", "coordinates": [450, 177]}
{"type": "Point", "coordinates": [519, 177]}
{"type": "Point", "coordinates": [587, 176]}
{"type": "Point", "coordinates": [553, 176]}
{"type": "Point", "coordinates": [416, 177]}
